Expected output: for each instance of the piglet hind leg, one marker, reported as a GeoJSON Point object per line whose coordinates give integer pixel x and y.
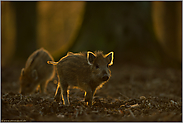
{"type": "Point", "coordinates": [64, 93]}
{"type": "Point", "coordinates": [57, 96]}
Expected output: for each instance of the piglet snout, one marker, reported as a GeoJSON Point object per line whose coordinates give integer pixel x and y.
{"type": "Point", "coordinates": [105, 77]}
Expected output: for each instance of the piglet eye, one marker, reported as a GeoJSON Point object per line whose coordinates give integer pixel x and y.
{"type": "Point", "coordinates": [97, 66]}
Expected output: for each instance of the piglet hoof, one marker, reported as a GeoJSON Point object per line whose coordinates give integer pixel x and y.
{"type": "Point", "coordinates": [66, 104]}
{"type": "Point", "coordinates": [88, 104]}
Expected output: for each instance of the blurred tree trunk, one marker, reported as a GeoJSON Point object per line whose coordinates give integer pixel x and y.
{"type": "Point", "coordinates": [168, 27]}
{"type": "Point", "coordinates": [124, 27]}
{"type": "Point", "coordinates": [7, 32]}
{"type": "Point", "coordinates": [26, 19]}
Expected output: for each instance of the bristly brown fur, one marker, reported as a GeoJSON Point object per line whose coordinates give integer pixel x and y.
{"type": "Point", "coordinates": [98, 53]}
{"type": "Point", "coordinates": [36, 72]}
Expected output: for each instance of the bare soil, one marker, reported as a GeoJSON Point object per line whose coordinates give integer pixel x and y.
{"type": "Point", "coordinates": [134, 93]}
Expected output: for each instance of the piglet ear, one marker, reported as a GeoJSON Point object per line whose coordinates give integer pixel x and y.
{"type": "Point", "coordinates": [110, 57]}
{"type": "Point", "coordinates": [90, 57]}
{"type": "Point", "coordinates": [34, 74]}
{"type": "Point", "coordinates": [22, 72]}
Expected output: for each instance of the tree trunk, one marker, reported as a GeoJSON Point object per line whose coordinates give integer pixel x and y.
{"type": "Point", "coordinates": [168, 25]}
{"type": "Point", "coordinates": [124, 27]}
{"type": "Point", "coordinates": [26, 20]}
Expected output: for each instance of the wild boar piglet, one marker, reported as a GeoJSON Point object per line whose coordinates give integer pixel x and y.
{"type": "Point", "coordinates": [87, 71]}
{"type": "Point", "coordinates": [36, 72]}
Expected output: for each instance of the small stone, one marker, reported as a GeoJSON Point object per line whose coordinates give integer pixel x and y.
{"type": "Point", "coordinates": [142, 97]}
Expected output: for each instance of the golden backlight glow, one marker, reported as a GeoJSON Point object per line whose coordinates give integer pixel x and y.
{"type": "Point", "coordinates": [167, 26]}
{"type": "Point", "coordinates": [58, 25]}
{"type": "Point", "coordinates": [8, 32]}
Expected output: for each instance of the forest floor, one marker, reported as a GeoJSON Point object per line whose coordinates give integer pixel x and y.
{"type": "Point", "coordinates": [134, 93]}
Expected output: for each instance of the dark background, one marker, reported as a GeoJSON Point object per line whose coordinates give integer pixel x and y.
{"type": "Point", "coordinates": [139, 32]}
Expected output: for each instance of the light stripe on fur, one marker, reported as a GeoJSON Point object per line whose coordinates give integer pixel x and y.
{"type": "Point", "coordinates": [51, 62]}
